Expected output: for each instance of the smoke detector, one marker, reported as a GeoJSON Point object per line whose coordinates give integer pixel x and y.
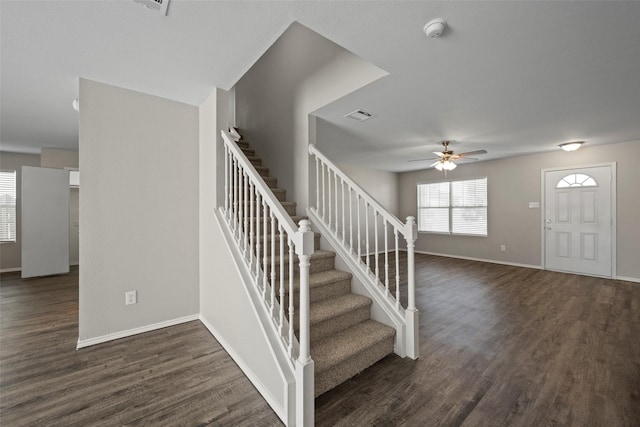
{"type": "Point", "coordinates": [156, 5]}
{"type": "Point", "coordinates": [359, 115]}
{"type": "Point", "coordinates": [435, 27]}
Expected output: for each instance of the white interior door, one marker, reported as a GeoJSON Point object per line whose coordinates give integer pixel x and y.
{"type": "Point", "coordinates": [578, 220]}
{"type": "Point", "coordinates": [45, 221]}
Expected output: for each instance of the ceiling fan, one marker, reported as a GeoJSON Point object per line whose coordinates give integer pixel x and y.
{"type": "Point", "coordinates": [445, 159]}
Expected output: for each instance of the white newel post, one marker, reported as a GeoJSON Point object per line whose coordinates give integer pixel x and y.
{"type": "Point", "coordinates": [411, 313]}
{"type": "Point", "coordinates": [304, 363]}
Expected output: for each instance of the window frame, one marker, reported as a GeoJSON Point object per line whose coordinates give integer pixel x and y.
{"type": "Point", "coordinates": [14, 238]}
{"type": "Point", "coordinates": [450, 208]}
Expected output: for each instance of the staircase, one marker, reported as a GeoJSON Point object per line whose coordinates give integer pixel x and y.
{"type": "Point", "coordinates": [344, 338]}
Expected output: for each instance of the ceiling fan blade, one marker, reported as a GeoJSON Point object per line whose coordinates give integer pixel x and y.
{"type": "Point", "coordinates": [465, 158]}
{"type": "Point", "coordinates": [438, 154]}
{"type": "Point", "coordinates": [434, 163]}
{"type": "Point", "coordinates": [472, 153]}
{"type": "Point", "coordinates": [421, 160]}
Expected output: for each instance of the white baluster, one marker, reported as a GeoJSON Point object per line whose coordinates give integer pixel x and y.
{"type": "Point", "coordinates": [324, 196]}
{"type": "Point", "coordinates": [350, 219]}
{"type": "Point", "coordinates": [318, 184]}
{"type": "Point", "coordinates": [359, 237]}
{"type": "Point", "coordinates": [344, 200]}
{"type": "Point", "coordinates": [246, 214]}
{"type": "Point", "coordinates": [233, 191]}
{"type": "Point", "coordinates": [252, 219]}
{"type": "Point", "coordinates": [329, 196]}
{"type": "Point", "coordinates": [397, 271]}
{"type": "Point", "coordinates": [281, 313]}
{"type": "Point", "coordinates": [375, 230]}
{"type": "Point", "coordinates": [257, 221]}
{"type": "Point", "coordinates": [366, 230]}
{"type": "Point", "coordinates": [386, 258]}
{"type": "Point", "coordinates": [273, 263]}
{"type": "Point", "coordinates": [291, 297]}
{"type": "Point", "coordinates": [226, 180]}
{"type": "Point", "coordinates": [335, 182]}
{"type": "Point", "coordinates": [265, 260]}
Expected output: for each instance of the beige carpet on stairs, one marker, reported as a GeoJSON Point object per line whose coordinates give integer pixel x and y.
{"type": "Point", "coordinates": [344, 338]}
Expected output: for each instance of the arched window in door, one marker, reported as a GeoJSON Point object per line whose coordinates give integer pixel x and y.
{"type": "Point", "coordinates": [576, 180]}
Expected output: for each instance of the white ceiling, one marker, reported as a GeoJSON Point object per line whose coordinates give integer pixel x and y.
{"type": "Point", "coordinates": [509, 77]}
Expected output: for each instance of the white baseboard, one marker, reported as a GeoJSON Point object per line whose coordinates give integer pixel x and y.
{"type": "Point", "coordinates": [628, 279]}
{"type": "Point", "coordinates": [135, 331]}
{"type": "Point", "coordinates": [492, 261]}
{"type": "Point", "coordinates": [10, 270]}
{"type": "Point", "coordinates": [264, 391]}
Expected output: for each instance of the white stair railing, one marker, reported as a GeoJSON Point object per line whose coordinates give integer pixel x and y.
{"type": "Point", "coordinates": [268, 238]}
{"type": "Point", "coordinates": [349, 213]}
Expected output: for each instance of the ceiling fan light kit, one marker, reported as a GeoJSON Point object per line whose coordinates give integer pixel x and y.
{"type": "Point", "coordinates": [571, 146]}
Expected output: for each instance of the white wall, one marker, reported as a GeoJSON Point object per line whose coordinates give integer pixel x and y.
{"type": "Point", "coordinates": [301, 72]}
{"type": "Point", "coordinates": [138, 210]}
{"type": "Point", "coordinates": [225, 306]}
{"type": "Point", "coordinates": [11, 252]}
{"type": "Point", "coordinates": [512, 184]}
{"type": "Point", "coordinates": [60, 159]}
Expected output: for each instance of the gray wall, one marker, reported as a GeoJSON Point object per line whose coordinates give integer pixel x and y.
{"type": "Point", "coordinates": [11, 252]}
{"type": "Point", "coordinates": [138, 210]}
{"type": "Point", "coordinates": [301, 72]}
{"type": "Point", "coordinates": [515, 182]}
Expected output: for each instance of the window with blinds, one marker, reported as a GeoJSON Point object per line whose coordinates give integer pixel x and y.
{"type": "Point", "coordinates": [455, 207]}
{"type": "Point", "coordinates": [8, 206]}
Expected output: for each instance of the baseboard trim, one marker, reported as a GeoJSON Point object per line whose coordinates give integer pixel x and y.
{"type": "Point", "coordinates": [135, 331]}
{"type": "Point", "coordinates": [262, 389]}
{"type": "Point", "coordinates": [628, 279]}
{"type": "Point", "coordinates": [10, 270]}
{"type": "Point", "coordinates": [492, 261]}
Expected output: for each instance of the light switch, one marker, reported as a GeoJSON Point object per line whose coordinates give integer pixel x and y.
{"type": "Point", "coordinates": [534, 205]}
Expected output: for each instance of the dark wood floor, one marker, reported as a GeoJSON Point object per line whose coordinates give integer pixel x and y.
{"type": "Point", "coordinates": [500, 346]}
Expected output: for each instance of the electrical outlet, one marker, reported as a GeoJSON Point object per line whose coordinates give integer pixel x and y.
{"type": "Point", "coordinates": [503, 248]}
{"type": "Point", "coordinates": [130, 297]}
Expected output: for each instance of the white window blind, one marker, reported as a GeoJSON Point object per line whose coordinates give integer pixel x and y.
{"type": "Point", "coordinates": [8, 206]}
{"type": "Point", "coordinates": [456, 207]}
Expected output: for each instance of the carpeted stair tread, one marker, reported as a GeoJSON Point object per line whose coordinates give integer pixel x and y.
{"type": "Point", "coordinates": [262, 170]}
{"type": "Point", "coordinates": [346, 344]}
{"type": "Point", "coordinates": [337, 306]}
{"type": "Point", "coordinates": [271, 181]}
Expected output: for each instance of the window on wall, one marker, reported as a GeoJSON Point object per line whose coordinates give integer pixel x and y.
{"type": "Point", "coordinates": [7, 206]}
{"type": "Point", "coordinates": [453, 207]}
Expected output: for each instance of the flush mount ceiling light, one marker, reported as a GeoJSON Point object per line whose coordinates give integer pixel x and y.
{"type": "Point", "coordinates": [571, 146]}
{"type": "Point", "coordinates": [435, 27]}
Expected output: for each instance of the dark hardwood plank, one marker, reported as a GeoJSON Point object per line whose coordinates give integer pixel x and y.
{"type": "Point", "coordinates": [173, 376]}
{"type": "Point", "coordinates": [503, 345]}
{"type": "Point", "coordinates": [500, 345]}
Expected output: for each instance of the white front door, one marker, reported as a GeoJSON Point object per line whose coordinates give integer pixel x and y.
{"type": "Point", "coordinates": [578, 220]}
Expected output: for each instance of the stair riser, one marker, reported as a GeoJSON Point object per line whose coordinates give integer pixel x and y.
{"type": "Point", "coordinates": [316, 244]}
{"type": "Point", "coordinates": [248, 152]}
{"type": "Point", "coordinates": [242, 144]}
{"type": "Point", "coordinates": [317, 265]}
{"type": "Point", "coordinates": [255, 161]}
{"type": "Point", "coordinates": [338, 374]}
{"type": "Point", "coordinates": [339, 323]}
{"type": "Point", "coordinates": [320, 293]}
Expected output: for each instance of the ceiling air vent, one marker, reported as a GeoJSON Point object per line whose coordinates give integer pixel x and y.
{"type": "Point", "coordinates": [157, 5]}
{"type": "Point", "coordinates": [359, 115]}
